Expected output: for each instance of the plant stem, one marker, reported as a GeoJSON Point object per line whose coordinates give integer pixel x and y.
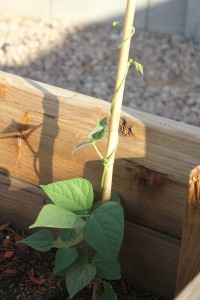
{"type": "Point", "coordinates": [97, 150]}
{"type": "Point", "coordinates": [97, 290]}
{"type": "Point", "coordinates": [116, 109]}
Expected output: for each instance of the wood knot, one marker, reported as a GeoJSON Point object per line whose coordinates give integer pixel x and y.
{"type": "Point", "coordinates": [23, 129]}
{"type": "Point", "coordinates": [125, 129]}
{"type": "Point", "coordinates": [151, 178]}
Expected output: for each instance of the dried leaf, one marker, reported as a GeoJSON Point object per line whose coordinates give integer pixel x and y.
{"type": "Point", "coordinates": [33, 279]}
{"type": "Point", "coordinates": [8, 243]}
{"type": "Point", "coordinates": [17, 237]}
{"type": "Point", "coordinates": [9, 254]}
{"type": "Point", "coordinates": [3, 227]}
{"type": "Point", "coordinates": [20, 246]}
{"type": "Point", "coordinates": [12, 272]}
{"type": "Point", "coordinates": [37, 281]}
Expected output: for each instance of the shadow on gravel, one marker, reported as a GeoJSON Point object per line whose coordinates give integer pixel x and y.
{"type": "Point", "coordinates": [86, 62]}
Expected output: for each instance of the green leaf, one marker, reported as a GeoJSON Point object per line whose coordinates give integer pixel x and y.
{"type": "Point", "coordinates": [115, 198]}
{"type": "Point", "coordinates": [79, 275]}
{"type": "Point", "coordinates": [138, 67]}
{"type": "Point", "coordinates": [64, 258]}
{"type": "Point", "coordinates": [99, 130]}
{"type": "Point", "coordinates": [95, 135]}
{"type": "Point", "coordinates": [96, 205]}
{"type": "Point", "coordinates": [57, 217]}
{"type": "Point", "coordinates": [67, 234]}
{"type": "Point", "coordinates": [104, 230]}
{"type": "Point", "coordinates": [82, 213]}
{"type": "Point", "coordinates": [108, 293]}
{"type": "Point", "coordinates": [73, 195]}
{"type": "Point", "coordinates": [71, 237]}
{"type": "Point", "coordinates": [42, 240]}
{"type": "Point", "coordinates": [83, 257]}
{"type": "Point", "coordinates": [81, 145]}
{"type": "Point", "coordinates": [106, 270]}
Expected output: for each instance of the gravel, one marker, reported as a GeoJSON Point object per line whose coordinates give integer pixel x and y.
{"type": "Point", "coordinates": [84, 59]}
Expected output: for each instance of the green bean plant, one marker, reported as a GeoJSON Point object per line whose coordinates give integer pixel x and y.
{"type": "Point", "coordinates": [78, 218]}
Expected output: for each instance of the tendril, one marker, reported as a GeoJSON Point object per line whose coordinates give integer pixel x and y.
{"type": "Point", "coordinates": [128, 38]}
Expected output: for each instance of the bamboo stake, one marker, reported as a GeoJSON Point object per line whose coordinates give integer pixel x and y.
{"type": "Point", "coordinates": [116, 110]}
{"type": "Point", "coordinates": [115, 115]}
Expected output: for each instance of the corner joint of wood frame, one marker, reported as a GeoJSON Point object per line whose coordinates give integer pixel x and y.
{"type": "Point", "coordinates": [194, 187]}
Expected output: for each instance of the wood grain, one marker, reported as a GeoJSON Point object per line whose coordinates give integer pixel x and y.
{"type": "Point", "coordinates": [20, 201]}
{"type": "Point", "coordinates": [157, 143]}
{"type": "Point", "coordinates": [189, 264]}
{"type": "Point", "coordinates": [152, 164]}
{"type": "Point", "coordinates": [150, 259]}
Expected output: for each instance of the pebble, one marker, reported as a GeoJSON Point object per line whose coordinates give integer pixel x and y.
{"type": "Point", "coordinates": [84, 59]}
{"type": "Point", "coordinates": [191, 101]}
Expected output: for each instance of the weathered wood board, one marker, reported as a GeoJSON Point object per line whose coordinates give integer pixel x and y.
{"type": "Point", "coordinates": [40, 125]}
{"type": "Point", "coordinates": [150, 259]}
{"type": "Point", "coordinates": [189, 263]}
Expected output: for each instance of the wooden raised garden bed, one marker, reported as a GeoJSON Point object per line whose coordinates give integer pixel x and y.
{"type": "Point", "coordinates": [156, 173]}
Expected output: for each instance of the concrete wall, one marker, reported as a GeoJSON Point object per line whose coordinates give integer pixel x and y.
{"type": "Point", "coordinates": [165, 16]}
{"type": "Point", "coordinates": [192, 28]}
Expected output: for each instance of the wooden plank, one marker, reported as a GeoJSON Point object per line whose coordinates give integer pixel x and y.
{"type": "Point", "coordinates": [149, 258]}
{"type": "Point", "coordinates": [151, 169]}
{"type": "Point", "coordinates": [191, 291]}
{"type": "Point", "coordinates": [20, 202]}
{"type": "Point", "coordinates": [189, 264]}
{"type": "Point", "coordinates": [148, 197]}
{"type": "Point", "coordinates": [160, 144]}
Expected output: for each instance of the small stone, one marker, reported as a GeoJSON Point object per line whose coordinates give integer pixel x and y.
{"type": "Point", "coordinates": [190, 101]}
{"type": "Point", "coordinates": [185, 111]}
{"type": "Point", "coordinates": [164, 48]}
{"type": "Point", "coordinates": [196, 82]}
{"type": "Point", "coordinates": [71, 76]}
{"type": "Point", "coordinates": [177, 39]}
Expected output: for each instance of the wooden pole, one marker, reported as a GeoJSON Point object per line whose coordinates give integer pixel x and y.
{"type": "Point", "coordinates": [116, 110]}
{"type": "Point", "coordinates": [115, 115]}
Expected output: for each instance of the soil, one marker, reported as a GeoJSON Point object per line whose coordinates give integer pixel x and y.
{"type": "Point", "coordinates": [27, 274]}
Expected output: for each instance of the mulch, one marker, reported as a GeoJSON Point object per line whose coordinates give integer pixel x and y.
{"type": "Point", "coordinates": [27, 274]}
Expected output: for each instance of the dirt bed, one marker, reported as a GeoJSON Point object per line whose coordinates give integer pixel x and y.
{"type": "Point", "coordinates": [27, 274]}
{"type": "Point", "coordinates": [83, 59]}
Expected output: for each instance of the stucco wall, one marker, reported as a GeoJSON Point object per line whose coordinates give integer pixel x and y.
{"type": "Point", "coordinates": [165, 16]}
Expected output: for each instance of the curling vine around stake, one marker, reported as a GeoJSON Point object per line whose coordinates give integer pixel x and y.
{"type": "Point", "coordinates": [138, 67]}
{"type": "Point", "coordinates": [128, 38]}
{"type": "Point", "coordinates": [74, 212]}
{"type": "Point", "coordinates": [99, 131]}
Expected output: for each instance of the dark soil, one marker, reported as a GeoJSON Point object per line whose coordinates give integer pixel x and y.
{"type": "Point", "coordinates": [26, 274]}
